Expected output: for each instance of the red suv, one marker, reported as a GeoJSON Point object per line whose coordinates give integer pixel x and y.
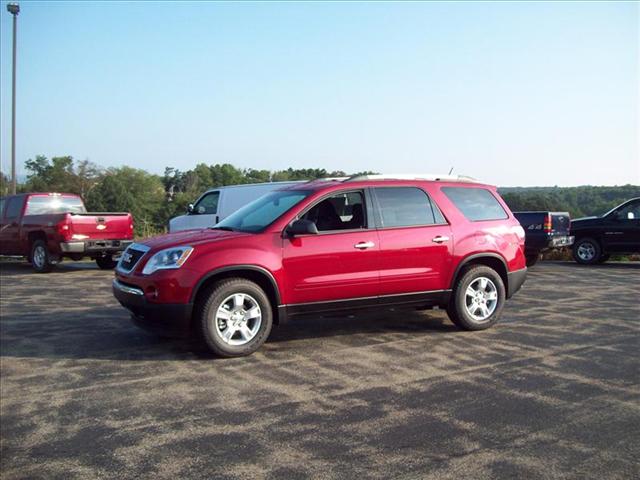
{"type": "Point", "coordinates": [329, 246]}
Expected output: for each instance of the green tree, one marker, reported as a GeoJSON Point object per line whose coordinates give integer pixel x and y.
{"type": "Point", "coordinates": [5, 184]}
{"type": "Point", "coordinates": [127, 189]}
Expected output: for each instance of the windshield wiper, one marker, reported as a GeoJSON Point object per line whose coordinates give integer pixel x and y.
{"type": "Point", "coordinates": [227, 229]}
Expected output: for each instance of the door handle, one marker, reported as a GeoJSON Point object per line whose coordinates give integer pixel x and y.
{"type": "Point", "coordinates": [364, 245]}
{"type": "Point", "coordinates": [439, 239]}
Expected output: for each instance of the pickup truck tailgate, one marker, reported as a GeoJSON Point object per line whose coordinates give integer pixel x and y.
{"type": "Point", "coordinates": [103, 226]}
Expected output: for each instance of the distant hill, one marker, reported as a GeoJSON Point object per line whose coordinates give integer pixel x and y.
{"type": "Point", "coordinates": [578, 201]}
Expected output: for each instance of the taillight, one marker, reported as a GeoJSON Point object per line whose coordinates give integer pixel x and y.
{"type": "Point", "coordinates": [64, 229]}
{"type": "Point", "coordinates": [547, 224]}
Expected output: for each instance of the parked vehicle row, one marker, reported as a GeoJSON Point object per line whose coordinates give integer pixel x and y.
{"type": "Point", "coordinates": [544, 231]}
{"type": "Point", "coordinates": [45, 227]}
{"type": "Point", "coordinates": [329, 246]}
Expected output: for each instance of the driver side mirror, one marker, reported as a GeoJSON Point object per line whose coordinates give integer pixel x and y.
{"type": "Point", "coordinates": [190, 209]}
{"type": "Point", "coordinates": [302, 227]}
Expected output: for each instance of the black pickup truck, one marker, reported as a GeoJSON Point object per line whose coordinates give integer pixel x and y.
{"type": "Point", "coordinates": [617, 231]}
{"type": "Point", "coordinates": [544, 231]}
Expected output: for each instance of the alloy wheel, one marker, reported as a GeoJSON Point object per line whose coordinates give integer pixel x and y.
{"type": "Point", "coordinates": [238, 319]}
{"type": "Point", "coordinates": [481, 299]}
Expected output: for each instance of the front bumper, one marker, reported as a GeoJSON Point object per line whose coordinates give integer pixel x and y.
{"type": "Point", "coordinates": [95, 246]}
{"type": "Point", "coordinates": [515, 281]}
{"type": "Point", "coordinates": [166, 319]}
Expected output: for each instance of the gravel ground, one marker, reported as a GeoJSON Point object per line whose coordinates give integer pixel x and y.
{"type": "Point", "coordinates": [550, 392]}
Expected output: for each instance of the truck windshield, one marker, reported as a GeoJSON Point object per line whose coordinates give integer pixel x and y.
{"type": "Point", "coordinates": [263, 211]}
{"type": "Point", "coordinates": [41, 205]}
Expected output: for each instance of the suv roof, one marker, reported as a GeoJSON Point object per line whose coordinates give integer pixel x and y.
{"type": "Point", "coordinates": [400, 180]}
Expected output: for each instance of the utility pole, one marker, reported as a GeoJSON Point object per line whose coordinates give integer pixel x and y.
{"type": "Point", "coordinates": [13, 9]}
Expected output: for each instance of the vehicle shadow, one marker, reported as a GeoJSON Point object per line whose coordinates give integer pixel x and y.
{"type": "Point", "coordinates": [601, 266]}
{"type": "Point", "coordinates": [106, 333]}
{"type": "Point", "coordinates": [10, 268]}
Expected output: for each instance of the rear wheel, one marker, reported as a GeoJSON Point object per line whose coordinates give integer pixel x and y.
{"type": "Point", "coordinates": [587, 251]}
{"type": "Point", "coordinates": [234, 317]}
{"type": "Point", "coordinates": [40, 259]}
{"type": "Point", "coordinates": [106, 263]}
{"type": "Point", "coordinates": [532, 259]}
{"type": "Point", "coordinates": [478, 298]}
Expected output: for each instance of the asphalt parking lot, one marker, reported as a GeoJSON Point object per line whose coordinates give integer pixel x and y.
{"type": "Point", "coordinates": [550, 392]}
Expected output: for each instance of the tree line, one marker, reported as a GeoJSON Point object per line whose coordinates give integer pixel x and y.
{"type": "Point", "coordinates": [154, 199]}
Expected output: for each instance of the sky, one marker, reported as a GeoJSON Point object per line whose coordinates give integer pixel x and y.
{"type": "Point", "coordinates": [511, 93]}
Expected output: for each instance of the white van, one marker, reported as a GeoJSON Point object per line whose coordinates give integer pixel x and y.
{"type": "Point", "coordinates": [218, 203]}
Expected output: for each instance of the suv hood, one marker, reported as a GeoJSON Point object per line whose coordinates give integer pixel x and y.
{"type": "Point", "coordinates": [189, 237]}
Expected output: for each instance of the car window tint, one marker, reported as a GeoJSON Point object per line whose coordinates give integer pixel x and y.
{"type": "Point", "coordinates": [630, 212]}
{"type": "Point", "coordinates": [208, 205]}
{"type": "Point", "coordinates": [476, 204]}
{"type": "Point", "coordinates": [14, 206]}
{"type": "Point", "coordinates": [406, 207]}
{"type": "Point", "coordinates": [345, 211]}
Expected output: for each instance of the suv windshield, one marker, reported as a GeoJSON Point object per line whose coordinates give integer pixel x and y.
{"type": "Point", "coordinates": [41, 205]}
{"type": "Point", "coordinates": [263, 211]}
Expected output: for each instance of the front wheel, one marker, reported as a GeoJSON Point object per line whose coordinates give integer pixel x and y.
{"type": "Point", "coordinates": [106, 263]}
{"type": "Point", "coordinates": [587, 251]}
{"type": "Point", "coordinates": [234, 317]}
{"type": "Point", "coordinates": [477, 299]}
{"type": "Point", "coordinates": [40, 259]}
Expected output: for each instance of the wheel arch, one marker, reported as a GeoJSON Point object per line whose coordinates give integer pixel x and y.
{"type": "Point", "coordinates": [32, 236]}
{"type": "Point", "coordinates": [492, 260]}
{"type": "Point", "coordinates": [260, 275]}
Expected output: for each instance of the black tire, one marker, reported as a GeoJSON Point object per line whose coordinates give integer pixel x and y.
{"type": "Point", "coordinates": [532, 260]}
{"type": "Point", "coordinates": [459, 307]}
{"type": "Point", "coordinates": [106, 263]}
{"type": "Point", "coordinates": [587, 251]}
{"type": "Point", "coordinates": [210, 329]}
{"type": "Point", "coordinates": [604, 258]}
{"type": "Point", "coordinates": [40, 258]}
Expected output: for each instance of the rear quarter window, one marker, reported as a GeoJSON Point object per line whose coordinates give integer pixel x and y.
{"type": "Point", "coordinates": [476, 204]}
{"type": "Point", "coordinates": [14, 207]}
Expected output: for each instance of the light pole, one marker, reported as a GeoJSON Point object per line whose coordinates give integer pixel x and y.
{"type": "Point", "coordinates": [13, 9]}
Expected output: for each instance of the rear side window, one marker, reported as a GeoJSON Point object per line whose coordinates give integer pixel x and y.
{"type": "Point", "coordinates": [476, 204]}
{"type": "Point", "coordinates": [14, 206]}
{"type": "Point", "coordinates": [406, 207]}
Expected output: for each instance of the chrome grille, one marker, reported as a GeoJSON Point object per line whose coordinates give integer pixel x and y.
{"type": "Point", "coordinates": [131, 256]}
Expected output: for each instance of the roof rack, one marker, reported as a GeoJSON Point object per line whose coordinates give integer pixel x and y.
{"type": "Point", "coordinates": [421, 176]}
{"type": "Point", "coordinates": [329, 179]}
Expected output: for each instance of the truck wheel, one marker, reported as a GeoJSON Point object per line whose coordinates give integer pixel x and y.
{"type": "Point", "coordinates": [233, 317]}
{"type": "Point", "coordinates": [40, 259]}
{"type": "Point", "coordinates": [106, 263]}
{"type": "Point", "coordinates": [586, 251]}
{"type": "Point", "coordinates": [532, 260]}
{"type": "Point", "coordinates": [477, 299]}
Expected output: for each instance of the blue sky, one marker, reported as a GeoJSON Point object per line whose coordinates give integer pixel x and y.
{"type": "Point", "coordinates": [511, 93]}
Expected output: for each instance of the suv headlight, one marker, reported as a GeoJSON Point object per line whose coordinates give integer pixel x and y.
{"type": "Point", "coordinates": [167, 258]}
